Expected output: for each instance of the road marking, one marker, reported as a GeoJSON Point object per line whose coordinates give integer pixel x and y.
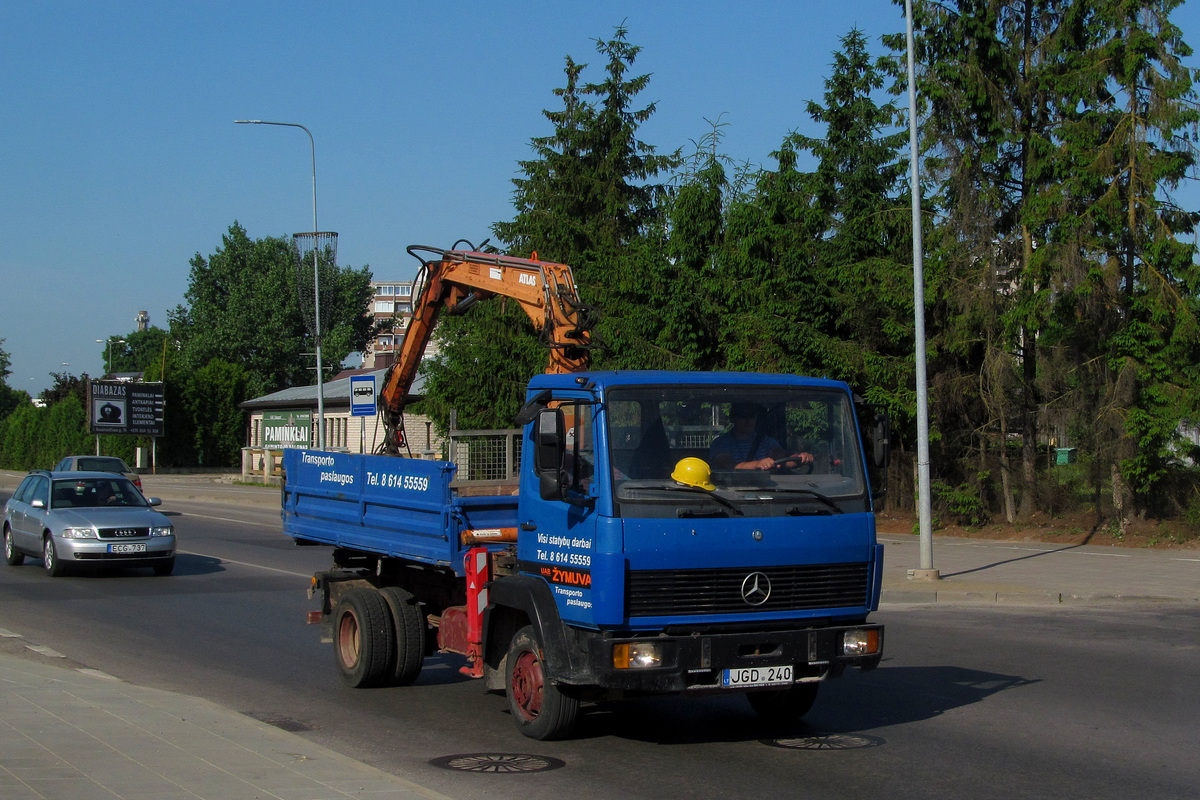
{"type": "Point", "coordinates": [245, 564]}
{"type": "Point", "coordinates": [1068, 550]}
{"type": "Point", "coordinates": [6, 634]}
{"type": "Point", "coordinates": [95, 673]}
{"type": "Point", "coordinates": [45, 651]}
{"type": "Point", "coordinates": [222, 519]}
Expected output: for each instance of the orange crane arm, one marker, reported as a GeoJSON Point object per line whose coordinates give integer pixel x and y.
{"type": "Point", "coordinates": [545, 290]}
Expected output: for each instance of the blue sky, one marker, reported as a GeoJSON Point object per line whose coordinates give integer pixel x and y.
{"type": "Point", "coordinates": [121, 159]}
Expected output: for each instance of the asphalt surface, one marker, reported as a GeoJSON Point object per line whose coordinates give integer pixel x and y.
{"type": "Point", "coordinates": [78, 734]}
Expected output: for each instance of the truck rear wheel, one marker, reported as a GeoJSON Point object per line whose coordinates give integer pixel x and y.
{"type": "Point", "coordinates": [540, 708]}
{"type": "Point", "coordinates": [363, 639]}
{"type": "Point", "coordinates": [408, 627]}
{"type": "Point", "coordinates": [785, 706]}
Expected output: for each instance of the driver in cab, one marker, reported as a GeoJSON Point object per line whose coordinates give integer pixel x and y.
{"type": "Point", "coordinates": [743, 446]}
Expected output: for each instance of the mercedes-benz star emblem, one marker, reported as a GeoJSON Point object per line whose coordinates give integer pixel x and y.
{"type": "Point", "coordinates": [756, 588]}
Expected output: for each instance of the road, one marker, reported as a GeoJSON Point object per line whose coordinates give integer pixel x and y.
{"type": "Point", "coordinates": [976, 702]}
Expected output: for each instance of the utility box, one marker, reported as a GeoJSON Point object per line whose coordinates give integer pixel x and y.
{"type": "Point", "coordinates": [1064, 455]}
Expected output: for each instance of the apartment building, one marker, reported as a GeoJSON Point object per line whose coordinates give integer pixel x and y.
{"type": "Point", "coordinates": [391, 303]}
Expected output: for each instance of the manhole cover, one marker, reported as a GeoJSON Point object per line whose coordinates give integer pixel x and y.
{"type": "Point", "coordinates": [827, 741]}
{"type": "Point", "coordinates": [497, 762]}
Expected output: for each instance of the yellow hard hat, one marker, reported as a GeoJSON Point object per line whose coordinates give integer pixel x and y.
{"type": "Point", "coordinates": [693, 471]}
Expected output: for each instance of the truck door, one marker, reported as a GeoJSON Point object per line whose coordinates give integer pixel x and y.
{"type": "Point", "coordinates": [558, 537]}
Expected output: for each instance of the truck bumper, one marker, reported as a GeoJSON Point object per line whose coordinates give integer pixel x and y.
{"type": "Point", "coordinates": [698, 662]}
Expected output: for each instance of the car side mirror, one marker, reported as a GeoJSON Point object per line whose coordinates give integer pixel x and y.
{"type": "Point", "coordinates": [549, 445]}
{"type": "Point", "coordinates": [154, 501]}
{"type": "Point", "coordinates": [39, 503]}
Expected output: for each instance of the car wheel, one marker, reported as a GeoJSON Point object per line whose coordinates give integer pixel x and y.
{"type": "Point", "coordinates": [55, 568]}
{"type": "Point", "coordinates": [363, 638]}
{"type": "Point", "coordinates": [165, 568]}
{"type": "Point", "coordinates": [11, 556]}
{"type": "Point", "coordinates": [540, 708]}
{"type": "Point", "coordinates": [409, 629]}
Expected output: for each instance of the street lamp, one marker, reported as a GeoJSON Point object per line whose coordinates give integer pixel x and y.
{"type": "Point", "coordinates": [108, 355]}
{"type": "Point", "coordinates": [316, 275]}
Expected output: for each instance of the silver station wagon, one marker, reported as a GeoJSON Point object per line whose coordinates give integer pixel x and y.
{"type": "Point", "coordinates": [77, 519]}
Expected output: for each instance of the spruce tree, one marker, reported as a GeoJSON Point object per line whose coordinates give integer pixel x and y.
{"type": "Point", "coordinates": [587, 199]}
{"type": "Point", "coordinates": [1133, 282]}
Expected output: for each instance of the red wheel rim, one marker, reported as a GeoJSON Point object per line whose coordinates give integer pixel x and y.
{"type": "Point", "coordinates": [527, 685]}
{"type": "Point", "coordinates": [349, 640]}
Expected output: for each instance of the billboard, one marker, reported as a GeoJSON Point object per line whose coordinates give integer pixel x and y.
{"type": "Point", "coordinates": [287, 428]}
{"type": "Point", "coordinates": [125, 407]}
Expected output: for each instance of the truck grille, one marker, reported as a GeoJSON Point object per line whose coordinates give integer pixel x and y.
{"type": "Point", "coordinates": [660, 593]}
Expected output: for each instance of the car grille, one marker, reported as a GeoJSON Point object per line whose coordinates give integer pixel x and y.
{"type": "Point", "coordinates": [659, 593]}
{"type": "Point", "coordinates": [123, 533]}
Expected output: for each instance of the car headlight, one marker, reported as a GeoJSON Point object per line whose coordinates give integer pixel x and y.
{"type": "Point", "coordinates": [78, 533]}
{"type": "Point", "coordinates": [163, 531]}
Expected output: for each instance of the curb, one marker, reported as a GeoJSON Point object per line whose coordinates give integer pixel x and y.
{"type": "Point", "coordinates": [1031, 598]}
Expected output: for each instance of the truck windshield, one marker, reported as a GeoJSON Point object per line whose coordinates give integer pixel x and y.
{"type": "Point", "coordinates": [686, 451]}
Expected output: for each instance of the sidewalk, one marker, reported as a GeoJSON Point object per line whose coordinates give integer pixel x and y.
{"type": "Point", "coordinates": [72, 733]}
{"type": "Point", "coordinates": [78, 734]}
{"type": "Point", "coordinates": [1037, 573]}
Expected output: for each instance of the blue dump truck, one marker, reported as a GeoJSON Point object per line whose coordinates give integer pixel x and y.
{"type": "Point", "coordinates": [670, 532]}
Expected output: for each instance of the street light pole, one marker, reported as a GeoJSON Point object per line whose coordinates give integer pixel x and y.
{"type": "Point", "coordinates": [926, 571]}
{"type": "Point", "coordinates": [316, 275]}
{"type": "Point", "coordinates": [108, 353]}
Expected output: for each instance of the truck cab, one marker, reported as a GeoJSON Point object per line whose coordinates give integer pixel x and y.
{"type": "Point", "coordinates": [676, 566]}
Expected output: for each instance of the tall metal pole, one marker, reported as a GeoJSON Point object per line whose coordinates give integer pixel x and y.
{"type": "Point", "coordinates": [926, 570]}
{"type": "Point", "coordinates": [316, 276]}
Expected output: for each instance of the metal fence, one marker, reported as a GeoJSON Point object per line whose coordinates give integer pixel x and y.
{"type": "Point", "coordinates": [486, 455]}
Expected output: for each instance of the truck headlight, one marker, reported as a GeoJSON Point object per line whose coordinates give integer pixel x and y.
{"type": "Point", "coordinates": [860, 642]}
{"type": "Point", "coordinates": [78, 533]}
{"type": "Point", "coordinates": [637, 655]}
{"type": "Point", "coordinates": [164, 531]}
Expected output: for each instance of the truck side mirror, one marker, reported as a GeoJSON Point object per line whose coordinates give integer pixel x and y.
{"type": "Point", "coordinates": [531, 408]}
{"type": "Point", "coordinates": [881, 452]}
{"type": "Point", "coordinates": [882, 437]}
{"type": "Point", "coordinates": [549, 442]}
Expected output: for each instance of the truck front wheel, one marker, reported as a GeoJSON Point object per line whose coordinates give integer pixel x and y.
{"type": "Point", "coordinates": [784, 706]}
{"type": "Point", "coordinates": [540, 708]}
{"type": "Point", "coordinates": [363, 638]}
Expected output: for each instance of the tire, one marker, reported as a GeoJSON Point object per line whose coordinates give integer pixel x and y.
{"type": "Point", "coordinates": [539, 708]}
{"type": "Point", "coordinates": [408, 629]}
{"type": "Point", "coordinates": [164, 568]}
{"type": "Point", "coordinates": [54, 565]}
{"type": "Point", "coordinates": [785, 706]}
{"type": "Point", "coordinates": [12, 556]}
{"type": "Point", "coordinates": [363, 640]}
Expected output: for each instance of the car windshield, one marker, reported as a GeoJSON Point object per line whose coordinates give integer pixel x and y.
{"type": "Point", "coordinates": [95, 493]}
{"type": "Point", "coordinates": [97, 464]}
{"type": "Point", "coordinates": [753, 451]}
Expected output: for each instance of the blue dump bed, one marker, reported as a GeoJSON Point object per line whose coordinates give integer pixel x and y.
{"type": "Point", "coordinates": [400, 507]}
